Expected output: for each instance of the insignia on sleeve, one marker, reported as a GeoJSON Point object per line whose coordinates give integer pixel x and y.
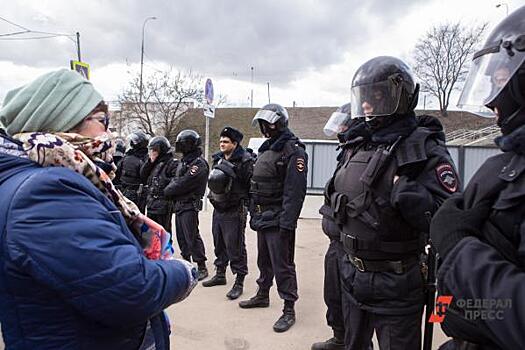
{"type": "Point", "coordinates": [300, 165]}
{"type": "Point", "coordinates": [193, 170]}
{"type": "Point", "coordinates": [447, 177]}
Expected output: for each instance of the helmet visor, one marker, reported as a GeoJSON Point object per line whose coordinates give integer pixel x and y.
{"type": "Point", "coordinates": [337, 123]}
{"type": "Point", "coordinates": [263, 114]}
{"type": "Point", "coordinates": [488, 75]}
{"type": "Point", "coordinates": [375, 99]}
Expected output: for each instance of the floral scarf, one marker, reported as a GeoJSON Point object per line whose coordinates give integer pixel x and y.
{"type": "Point", "coordinates": [93, 158]}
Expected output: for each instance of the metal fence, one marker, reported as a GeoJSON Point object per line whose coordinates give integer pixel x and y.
{"type": "Point", "coordinates": [322, 161]}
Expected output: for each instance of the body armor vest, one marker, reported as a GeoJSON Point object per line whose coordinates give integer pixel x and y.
{"type": "Point", "coordinates": [267, 182]}
{"type": "Point", "coordinates": [131, 171]}
{"type": "Point", "coordinates": [158, 180]}
{"type": "Point", "coordinates": [361, 205]}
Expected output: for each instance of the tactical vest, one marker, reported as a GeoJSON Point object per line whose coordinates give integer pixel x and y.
{"type": "Point", "coordinates": [131, 171]}
{"type": "Point", "coordinates": [360, 198]}
{"type": "Point", "coordinates": [159, 180]}
{"type": "Point", "coordinates": [267, 183]}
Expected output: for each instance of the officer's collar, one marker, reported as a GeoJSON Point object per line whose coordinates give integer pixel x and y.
{"type": "Point", "coordinates": [236, 154]}
{"type": "Point", "coordinates": [277, 144]}
{"type": "Point", "coordinates": [402, 126]}
{"type": "Point", "coordinates": [513, 142]}
{"type": "Point", "coordinates": [192, 155]}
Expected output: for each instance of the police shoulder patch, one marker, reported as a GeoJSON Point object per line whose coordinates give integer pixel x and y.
{"type": "Point", "coordinates": [300, 164]}
{"type": "Point", "coordinates": [447, 177]}
{"type": "Point", "coordinates": [193, 170]}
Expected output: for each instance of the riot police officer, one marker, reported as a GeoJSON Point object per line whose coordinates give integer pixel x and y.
{"type": "Point", "coordinates": [229, 184]}
{"type": "Point", "coordinates": [120, 150]}
{"type": "Point", "coordinates": [278, 188]}
{"type": "Point", "coordinates": [159, 169]}
{"type": "Point", "coordinates": [394, 173]}
{"type": "Point", "coordinates": [337, 124]}
{"type": "Point", "coordinates": [186, 189]}
{"type": "Point", "coordinates": [479, 235]}
{"type": "Point", "coordinates": [128, 170]}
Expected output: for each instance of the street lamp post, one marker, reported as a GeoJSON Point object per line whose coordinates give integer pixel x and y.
{"type": "Point", "coordinates": [142, 55]}
{"type": "Point", "coordinates": [506, 6]}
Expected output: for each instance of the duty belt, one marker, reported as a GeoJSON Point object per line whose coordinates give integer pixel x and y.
{"type": "Point", "coordinates": [353, 244]}
{"type": "Point", "coordinates": [259, 208]}
{"type": "Point", "coordinates": [398, 266]}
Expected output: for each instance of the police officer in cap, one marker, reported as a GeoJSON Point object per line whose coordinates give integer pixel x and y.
{"type": "Point", "coordinates": [128, 170]}
{"type": "Point", "coordinates": [229, 184]}
{"type": "Point", "coordinates": [337, 124]}
{"type": "Point", "coordinates": [186, 189]}
{"type": "Point", "coordinates": [394, 173]}
{"type": "Point", "coordinates": [479, 234]}
{"type": "Point", "coordinates": [157, 172]}
{"type": "Point", "coordinates": [278, 188]}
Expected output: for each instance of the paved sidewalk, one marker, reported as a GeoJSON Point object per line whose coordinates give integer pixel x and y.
{"type": "Point", "coordinates": [208, 320]}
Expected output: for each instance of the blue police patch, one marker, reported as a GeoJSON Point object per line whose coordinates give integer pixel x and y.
{"type": "Point", "coordinates": [447, 177]}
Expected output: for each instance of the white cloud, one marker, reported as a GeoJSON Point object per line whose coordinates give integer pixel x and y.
{"type": "Point", "coordinates": [307, 50]}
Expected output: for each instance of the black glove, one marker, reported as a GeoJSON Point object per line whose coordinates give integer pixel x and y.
{"type": "Point", "coordinates": [452, 223]}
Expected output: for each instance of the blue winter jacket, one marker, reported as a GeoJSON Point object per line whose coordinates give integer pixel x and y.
{"type": "Point", "coordinates": [72, 275]}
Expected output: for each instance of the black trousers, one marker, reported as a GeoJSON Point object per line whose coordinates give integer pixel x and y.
{"type": "Point", "coordinates": [332, 287]}
{"type": "Point", "coordinates": [276, 258]}
{"type": "Point", "coordinates": [228, 238]}
{"type": "Point", "coordinates": [394, 331]}
{"type": "Point", "coordinates": [162, 219]}
{"type": "Point", "coordinates": [188, 236]}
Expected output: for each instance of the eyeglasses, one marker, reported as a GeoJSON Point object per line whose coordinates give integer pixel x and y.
{"type": "Point", "coordinates": [103, 119]}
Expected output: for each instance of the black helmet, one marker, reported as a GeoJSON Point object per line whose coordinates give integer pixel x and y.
{"type": "Point", "coordinates": [338, 121]}
{"type": "Point", "coordinates": [272, 119]}
{"type": "Point", "coordinates": [120, 148]}
{"type": "Point", "coordinates": [220, 179]}
{"type": "Point", "coordinates": [497, 74]}
{"type": "Point", "coordinates": [187, 141]}
{"type": "Point", "coordinates": [383, 86]}
{"type": "Point", "coordinates": [138, 139]}
{"type": "Point", "coordinates": [159, 144]}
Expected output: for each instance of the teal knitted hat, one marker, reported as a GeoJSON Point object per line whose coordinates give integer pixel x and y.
{"type": "Point", "coordinates": [54, 102]}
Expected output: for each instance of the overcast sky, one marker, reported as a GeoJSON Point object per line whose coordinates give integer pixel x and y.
{"type": "Point", "coordinates": [308, 50]}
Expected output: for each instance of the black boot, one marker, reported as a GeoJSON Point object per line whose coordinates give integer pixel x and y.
{"type": "Point", "coordinates": [203, 270]}
{"type": "Point", "coordinates": [287, 319]}
{"type": "Point", "coordinates": [236, 290]}
{"type": "Point", "coordinates": [218, 280]}
{"type": "Point", "coordinates": [261, 299]}
{"type": "Point", "coordinates": [335, 343]}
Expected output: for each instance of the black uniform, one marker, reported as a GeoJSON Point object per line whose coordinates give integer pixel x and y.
{"type": "Point", "coordinates": [480, 234]}
{"type": "Point", "coordinates": [332, 266]}
{"type": "Point", "coordinates": [387, 185]}
{"type": "Point", "coordinates": [128, 173]}
{"type": "Point", "coordinates": [186, 190]}
{"type": "Point", "coordinates": [230, 212]}
{"type": "Point", "coordinates": [498, 253]}
{"type": "Point", "coordinates": [278, 190]}
{"type": "Point", "coordinates": [158, 175]}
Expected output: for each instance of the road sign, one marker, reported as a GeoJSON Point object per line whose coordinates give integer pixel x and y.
{"type": "Point", "coordinates": [208, 91]}
{"type": "Point", "coordinates": [81, 67]}
{"type": "Point", "coordinates": [209, 111]}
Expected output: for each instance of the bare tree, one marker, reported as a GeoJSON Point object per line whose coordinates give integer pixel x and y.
{"type": "Point", "coordinates": [166, 98]}
{"type": "Point", "coordinates": [441, 59]}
